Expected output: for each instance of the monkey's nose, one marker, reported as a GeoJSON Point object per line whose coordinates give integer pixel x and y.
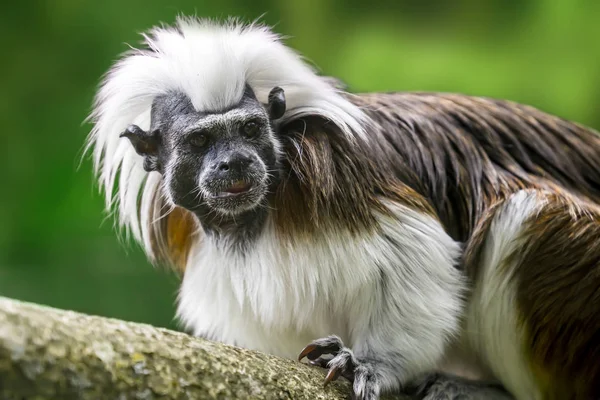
{"type": "Point", "coordinates": [234, 163]}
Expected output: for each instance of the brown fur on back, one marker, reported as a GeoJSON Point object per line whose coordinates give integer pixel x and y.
{"type": "Point", "coordinates": [463, 153]}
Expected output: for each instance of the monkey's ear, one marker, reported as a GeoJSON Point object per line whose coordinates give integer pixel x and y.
{"type": "Point", "coordinates": [276, 106]}
{"type": "Point", "coordinates": [145, 144]}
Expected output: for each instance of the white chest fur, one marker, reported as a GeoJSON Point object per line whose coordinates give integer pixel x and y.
{"type": "Point", "coordinates": [281, 295]}
{"type": "Point", "coordinates": [278, 296]}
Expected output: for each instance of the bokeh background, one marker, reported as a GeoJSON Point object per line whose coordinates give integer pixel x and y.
{"type": "Point", "coordinates": [58, 246]}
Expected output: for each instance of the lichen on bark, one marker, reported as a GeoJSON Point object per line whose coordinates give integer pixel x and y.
{"type": "Point", "coordinates": [46, 353]}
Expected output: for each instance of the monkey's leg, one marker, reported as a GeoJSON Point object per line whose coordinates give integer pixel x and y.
{"type": "Point", "coordinates": [534, 316]}
{"type": "Point", "coordinates": [400, 320]}
{"type": "Point", "coordinates": [448, 387]}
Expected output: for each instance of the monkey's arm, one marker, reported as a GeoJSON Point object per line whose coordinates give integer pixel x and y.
{"type": "Point", "coordinates": [401, 322]}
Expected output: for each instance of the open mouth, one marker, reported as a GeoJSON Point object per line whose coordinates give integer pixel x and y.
{"type": "Point", "coordinates": [235, 189]}
{"type": "Point", "coordinates": [235, 196]}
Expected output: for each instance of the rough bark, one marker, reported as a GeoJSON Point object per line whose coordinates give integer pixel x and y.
{"type": "Point", "coordinates": [47, 353]}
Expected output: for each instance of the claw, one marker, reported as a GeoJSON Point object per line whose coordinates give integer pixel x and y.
{"type": "Point", "coordinates": [306, 351]}
{"type": "Point", "coordinates": [361, 373]}
{"type": "Point", "coordinates": [329, 345]}
{"type": "Point", "coordinates": [332, 375]}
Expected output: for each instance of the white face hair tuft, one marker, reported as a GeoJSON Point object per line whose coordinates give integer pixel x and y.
{"type": "Point", "coordinates": [211, 63]}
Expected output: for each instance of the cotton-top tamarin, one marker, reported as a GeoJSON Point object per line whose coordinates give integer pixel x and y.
{"type": "Point", "coordinates": [382, 235]}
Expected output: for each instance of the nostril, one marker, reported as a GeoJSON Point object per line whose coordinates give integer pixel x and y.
{"type": "Point", "coordinates": [224, 167]}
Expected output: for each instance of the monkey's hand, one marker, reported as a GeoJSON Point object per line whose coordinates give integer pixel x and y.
{"type": "Point", "coordinates": [343, 363]}
{"type": "Point", "coordinates": [366, 386]}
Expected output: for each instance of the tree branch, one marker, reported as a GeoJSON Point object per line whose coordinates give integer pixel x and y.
{"type": "Point", "coordinates": [46, 353]}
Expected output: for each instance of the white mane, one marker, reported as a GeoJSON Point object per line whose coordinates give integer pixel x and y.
{"type": "Point", "coordinates": [211, 63]}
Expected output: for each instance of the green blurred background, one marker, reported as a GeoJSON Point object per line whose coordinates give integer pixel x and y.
{"type": "Point", "coordinates": [57, 245]}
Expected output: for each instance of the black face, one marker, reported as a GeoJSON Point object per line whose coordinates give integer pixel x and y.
{"type": "Point", "coordinates": [218, 165]}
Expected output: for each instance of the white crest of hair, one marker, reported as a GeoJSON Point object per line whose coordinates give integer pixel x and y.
{"type": "Point", "coordinates": [211, 63]}
{"type": "Point", "coordinates": [393, 292]}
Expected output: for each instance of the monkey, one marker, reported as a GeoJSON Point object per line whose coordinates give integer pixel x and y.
{"type": "Point", "coordinates": [384, 236]}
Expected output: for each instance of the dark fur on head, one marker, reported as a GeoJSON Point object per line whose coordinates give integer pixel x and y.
{"type": "Point", "coordinates": [220, 165]}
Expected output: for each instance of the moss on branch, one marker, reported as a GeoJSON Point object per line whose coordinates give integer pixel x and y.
{"type": "Point", "coordinates": [46, 353]}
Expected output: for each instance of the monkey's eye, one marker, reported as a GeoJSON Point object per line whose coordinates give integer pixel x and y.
{"type": "Point", "coordinates": [251, 128]}
{"type": "Point", "coordinates": [198, 140]}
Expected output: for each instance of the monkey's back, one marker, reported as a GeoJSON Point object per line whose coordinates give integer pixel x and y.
{"type": "Point", "coordinates": [463, 152]}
